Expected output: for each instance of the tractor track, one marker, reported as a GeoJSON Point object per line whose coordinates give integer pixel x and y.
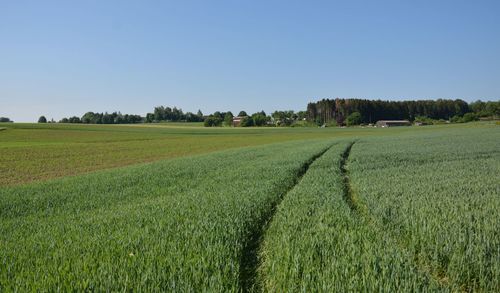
{"type": "Point", "coordinates": [250, 257]}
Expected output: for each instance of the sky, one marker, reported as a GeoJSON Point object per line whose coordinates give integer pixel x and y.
{"type": "Point", "coordinates": [64, 58]}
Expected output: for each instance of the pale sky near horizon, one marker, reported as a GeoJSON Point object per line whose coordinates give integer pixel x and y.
{"type": "Point", "coordinates": [64, 58]}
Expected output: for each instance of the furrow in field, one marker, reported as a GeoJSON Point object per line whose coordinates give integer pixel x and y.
{"type": "Point", "coordinates": [348, 194]}
{"type": "Point", "coordinates": [250, 257]}
{"type": "Point", "coordinates": [363, 213]}
{"type": "Point", "coordinates": [178, 225]}
{"type": "Point", "coordinates": [434, 196]}
{"type": "Point", "coordinates": [316, 243]}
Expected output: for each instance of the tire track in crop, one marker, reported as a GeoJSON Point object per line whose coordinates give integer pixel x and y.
{"type": "Point", "coordinates": [362, 212]}
{"type": "Point", "coordinates": [348, 194]}
{"type": "Point", "coordinates": [250, 257]}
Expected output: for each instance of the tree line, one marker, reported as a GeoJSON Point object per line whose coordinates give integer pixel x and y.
{"type": "Point", "coordinates": [357, 111]}
{"type": "Point", "coordinates": [326, 111]}
{"type": "Point", "coordinates": [160, 114]}
{"type": "Point", "coordinates": [174, 114]}
{"type": "Point", "coordinates": [100, 118]}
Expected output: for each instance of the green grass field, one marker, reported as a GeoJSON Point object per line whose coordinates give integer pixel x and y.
{"type": "Point", "coordinates": [174, 207]}
{"type": "Point", "coordinates": [32, 152]}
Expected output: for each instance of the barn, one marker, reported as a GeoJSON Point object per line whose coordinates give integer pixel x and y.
{"type": "Point", "coordinates": [391, 123]}
{"type": "Point", "coordinates": [237, 121]}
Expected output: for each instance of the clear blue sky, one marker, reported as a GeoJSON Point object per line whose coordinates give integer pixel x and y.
{"type": "Point", "coordinates": [62, 58]}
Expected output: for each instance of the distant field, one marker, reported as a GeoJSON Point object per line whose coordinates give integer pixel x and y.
{"type": "Point", "coordinates": [32, 152]}
{"type": "Point", "coordinates": [283, 210]}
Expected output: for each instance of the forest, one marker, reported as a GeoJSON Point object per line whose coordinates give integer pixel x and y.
{"type": "Point", "coordinates": [370, 111]}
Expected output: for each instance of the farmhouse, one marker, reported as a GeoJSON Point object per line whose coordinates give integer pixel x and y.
{"type": "Point", "coordinates": [237, 121]}
{"type": "Point", "coordinates": [391, 123]}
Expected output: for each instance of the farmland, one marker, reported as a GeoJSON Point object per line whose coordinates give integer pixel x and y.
{"type": "Point", "coordinates": [193, 209]}
{"type": "Point", "coordinates": [32, 152]}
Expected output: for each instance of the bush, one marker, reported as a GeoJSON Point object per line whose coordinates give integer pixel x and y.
{"type": "Point", "coordinates": [42, 119]}
{"type": "Point", "coordinates": [332, 123]}
{"type": "Point", "coordinates": [456, 119]}
{"type": "Point", "coordinates": [304, 123]}
{"type": "Point", "coordinates": [353, 119]}
{"type": "Point", "coordinates": [246, 122]}
{"type": "Point", "coordinates": [228, 119]}
{"type": "Point", "coordinates": [259, 119]}
{"type": "Point", "coordinates": [212, 121]}
{"type": "Point", "coordinates": [469, 117]}
{"type": "Point", "coordinates": [424, 120]}
{"type": "Point", "coordinates": [74, 119]}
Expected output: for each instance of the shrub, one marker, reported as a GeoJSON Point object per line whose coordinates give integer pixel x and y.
{"type": "Point", "coordinates": [212, 121]}
{"type": "Point", "coordinates": [246, 122]}
{"type": "Point", "coordinates": [456, 119]}
{"type": "Point", "coordinates": [353, 119]}
{"type": "Point", "coordinates": [468, 117]}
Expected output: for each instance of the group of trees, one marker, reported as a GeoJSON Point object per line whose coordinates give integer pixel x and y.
{"type": "Point", "coordinates": [485, 109]}
{"type": "Point", "coordinates": [221, 118]}
{"type": "Point", "coordinates": [5, 119]}
{"type": "Point", "coordinates": [368, 111]}
{"type": "Point", "coordinates": [277, 118]}
{"type": "Point", "coordinates": [100, 118]}
{"type": "Point", "coordinates": [162, 113]}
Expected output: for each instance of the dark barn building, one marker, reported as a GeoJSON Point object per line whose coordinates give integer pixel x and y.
{"type": "Point", "coordinates": [391, 123]}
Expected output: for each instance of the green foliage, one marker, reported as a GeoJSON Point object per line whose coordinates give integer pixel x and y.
{"type": "Point", "coordinates": [353, 119]}
{"type": "Point", "coordinates": [74, 119]}
{"type": "Point", "coordinates": [228, 119]}
{"type": "Point", "coordinates": [424, 119]}
{"type": "Point", "coordinates": [242, 114]}
{"type": "Point", "coordinates": [150, 117]}
{"type": "Point", "coordinates": [456, 119]}
{"type": "Point", "coordinates": [304, 123]}
{"type": "Point", "coordinates": [284, 118]}
{"type": "Point", "coordinates": [375, 110]}
{"type": "Point", "coordinates": [5, 119]}
{"type": "Point", "coordinates": [469, 117]}
{"type": "Point", "coordinates": [113, 118]}
{"type": "Point", "coordinates": [42, 119]}
{"type": "Point", "coordinates": [259, 119]}
{"type": "Point", "coordinates": [246, 122]}
{"type": "Point", "coordinates": [486, 109]}
{"type": "Point", "coordinates": [332, 123]}
{"type": "Point", "coordinates": [212, 121]}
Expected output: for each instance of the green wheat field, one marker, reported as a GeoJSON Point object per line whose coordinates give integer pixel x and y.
{"type": "Point", "coordinates": [178, 207]}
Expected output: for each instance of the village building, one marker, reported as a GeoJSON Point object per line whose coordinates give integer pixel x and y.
{"type": "Point", "coordinates": [237, 121]}
{"type": "Point", "coordinates": [391, 123]}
